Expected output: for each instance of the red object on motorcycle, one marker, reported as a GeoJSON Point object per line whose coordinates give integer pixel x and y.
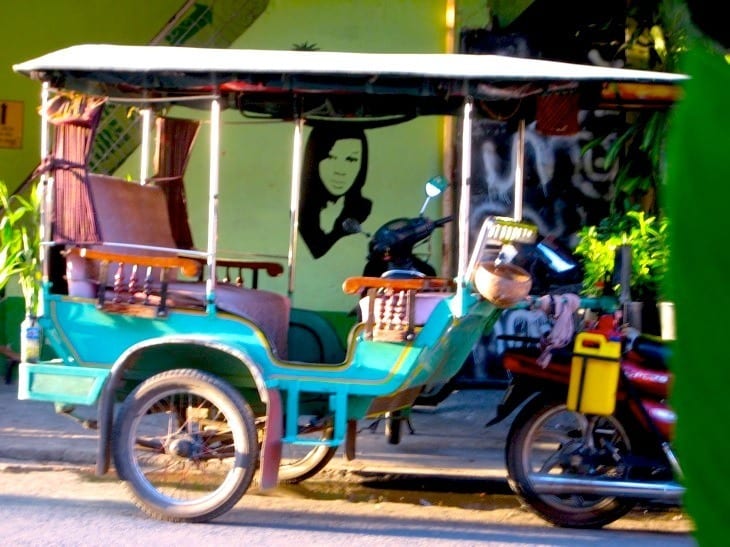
{"type": "Point", "coordinates": [663, 417]}
{"type": "Point", "coordinates": [523, 361]}
{"type": "Point", "coordinates": [654, 382]}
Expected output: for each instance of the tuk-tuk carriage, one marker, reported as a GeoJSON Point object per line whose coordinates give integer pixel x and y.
{"type": "Point", "coordinates": [195, 385]}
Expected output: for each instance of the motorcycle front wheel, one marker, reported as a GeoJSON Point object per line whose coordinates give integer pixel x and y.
{"type": "Point", "coordinates": [547, 438]}
{"type": "Point", "coordinates": [393, 426]}
{"type": "Point", "coordinates": [185, 445]}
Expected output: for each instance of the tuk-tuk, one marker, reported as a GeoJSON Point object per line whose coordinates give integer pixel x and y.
{"type": "Point", "coordinates": [196, 386]}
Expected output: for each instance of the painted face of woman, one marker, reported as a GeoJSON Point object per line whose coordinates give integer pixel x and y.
{"type": "Point", "coordinates": [340, 168]}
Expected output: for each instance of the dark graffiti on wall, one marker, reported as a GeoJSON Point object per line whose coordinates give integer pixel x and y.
{"type": "Point", "coordinates": [567, 184]}
{"type": "Point", "coordinates": [564, 187]}
{"type": "Point", "coordinates": [485, 364]}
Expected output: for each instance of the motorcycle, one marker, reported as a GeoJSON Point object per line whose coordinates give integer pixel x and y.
{"type": "Point", "coordinates": [392, 254]}
{"type": "Point", "coordinates": [586, 469]}
{"type": "Point", "coordinates": [391, 249]}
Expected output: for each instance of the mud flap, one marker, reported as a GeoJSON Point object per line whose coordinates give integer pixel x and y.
{"type": "Point", "coordinates": [350, 440]}
{"type": "Point", "coordinates": [271, 447]}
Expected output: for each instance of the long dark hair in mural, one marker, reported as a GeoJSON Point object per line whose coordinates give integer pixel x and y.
{"type": "Point", "coordinates": [334, 170]}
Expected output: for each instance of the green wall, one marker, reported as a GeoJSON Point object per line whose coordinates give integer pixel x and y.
{"type": "Point", "coordinates": [402, 158]}
{"type": "Point", "coordinates": [35, 27]}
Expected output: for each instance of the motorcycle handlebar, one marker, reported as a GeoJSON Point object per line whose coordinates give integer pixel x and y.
{"type": "Point", "coordinates": [398, 236]}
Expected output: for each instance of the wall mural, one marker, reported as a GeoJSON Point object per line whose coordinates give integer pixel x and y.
{"type": "Point", "coordinates": [564, 189]}
{"type": "Point", "coordinates": [334, 170]}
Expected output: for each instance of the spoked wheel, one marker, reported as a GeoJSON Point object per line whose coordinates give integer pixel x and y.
{"type": "Point", "coordinates": [185, 446]}
{"type": "Point", "coordinates": [547, 438]}
{"type": "Point", "coordinates": [300, 461]}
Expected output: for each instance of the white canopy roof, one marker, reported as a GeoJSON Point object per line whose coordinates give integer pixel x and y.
{"type": "Point", "coordinates": [434, 81]}
{"type": "Point", "coordinates": [152, 60]}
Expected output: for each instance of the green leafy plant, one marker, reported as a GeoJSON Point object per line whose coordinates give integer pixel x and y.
{"type": "Point", "coordinates": [647, 236]}
{"type": "Point", "coordinates": [20, 244]}
{"type": "Point", "coordinates": [638, 152]}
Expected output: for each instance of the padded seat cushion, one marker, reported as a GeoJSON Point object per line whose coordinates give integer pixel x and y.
{"type": "Point", "coordinates": [268, 310]}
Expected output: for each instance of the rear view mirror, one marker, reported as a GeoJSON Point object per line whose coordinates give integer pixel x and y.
{"type": "Point", "coordinates": [434, 187]}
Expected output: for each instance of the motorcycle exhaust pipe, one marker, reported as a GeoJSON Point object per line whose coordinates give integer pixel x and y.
{"type": "Point", "coordinates": [559, 484]}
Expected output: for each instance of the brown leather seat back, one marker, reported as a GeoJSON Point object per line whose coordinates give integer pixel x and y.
{"type": "Point", "coordinates": [126, 212]}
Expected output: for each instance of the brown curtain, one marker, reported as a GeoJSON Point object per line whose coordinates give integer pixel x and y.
{"type": "Point", "coordinates": [175, 138]}
{"type": "Point", "coordinates": [74, 120]}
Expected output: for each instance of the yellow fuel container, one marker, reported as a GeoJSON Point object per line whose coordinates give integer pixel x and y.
{"type": "Point", "coordinates": [594, 374]}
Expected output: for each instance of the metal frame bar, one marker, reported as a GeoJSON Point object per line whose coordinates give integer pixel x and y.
{"type": "Point", "coordinates": [214, 186]}
{"type": "Point", "coordinates": [296, 188]}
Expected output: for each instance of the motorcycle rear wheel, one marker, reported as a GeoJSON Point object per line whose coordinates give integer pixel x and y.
{"type": "Point", "coordinates": [546, 437]}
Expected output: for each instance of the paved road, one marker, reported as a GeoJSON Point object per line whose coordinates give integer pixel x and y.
{"type": "Point", "coordinates": [449, 439]}
{"type": "Point", "coordinates": [449, 451]}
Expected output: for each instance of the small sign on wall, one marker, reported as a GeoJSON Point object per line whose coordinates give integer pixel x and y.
{"type": "Point", "coordinates": [11, 124]}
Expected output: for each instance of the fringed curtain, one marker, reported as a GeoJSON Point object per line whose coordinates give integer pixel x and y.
{"type": "Point", "coordinates": [175, 138]}
{"type": "Point", "coordinates": [75, 120]}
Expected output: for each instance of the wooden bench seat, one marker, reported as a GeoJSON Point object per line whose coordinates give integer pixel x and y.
{"type": "Point", "coordinates": [137, 270]}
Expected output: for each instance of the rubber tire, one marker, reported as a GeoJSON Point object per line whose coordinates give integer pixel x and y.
{"type": "Point", "coordinates": [604, 510]}
{"type": "Point", "coordinates": [310, 464]}
{"type": "Point", "coordinates": [393, 426]}
{"type": "Point", "coordinates": [238, 415]}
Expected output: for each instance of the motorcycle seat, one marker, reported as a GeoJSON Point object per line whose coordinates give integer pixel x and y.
{"type": "Point", "coordinates": [531, 349]}
{"type": "Point", "coordinates": [653, 351]}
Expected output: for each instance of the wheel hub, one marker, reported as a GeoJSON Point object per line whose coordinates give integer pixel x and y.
{"type": "Point", "coordinates": [184, 447]}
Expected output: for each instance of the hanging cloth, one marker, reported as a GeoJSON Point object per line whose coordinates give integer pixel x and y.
{"type": "Point", "coordinates": [175, 139]}
{"type": "Point", "coordinates": [74, 120]}
{"type": "Point", "coordinates": [560, 309]}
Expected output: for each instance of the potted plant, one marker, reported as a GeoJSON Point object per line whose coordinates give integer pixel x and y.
{"type": "Point", "coordinates": [645, 235]}
{"type": "Point", "coordinates": [20, 257]}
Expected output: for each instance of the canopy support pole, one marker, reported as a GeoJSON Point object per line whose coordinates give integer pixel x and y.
{"type": "Point", "coordinates": [45, 192]}
{"type": "Point", "coordinates": [464, 206]}
{"type": "Point", "coordinates": [296, 188]}
{"type": "Point", "coordinates": [519, 171]}
{"type": "Point", "coordinates": [145, 152]}
{"type": "Point", "coordinates": [213, 189]}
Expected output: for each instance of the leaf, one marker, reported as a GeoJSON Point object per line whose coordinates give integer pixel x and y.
{"type": "Point", "coordinates": [617, 146]}
{"type": "Point", "coordinates": [20, 243]}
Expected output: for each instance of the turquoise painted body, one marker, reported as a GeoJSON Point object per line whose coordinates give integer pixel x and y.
{"type": "Point", "coordinates": [91, 343]}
